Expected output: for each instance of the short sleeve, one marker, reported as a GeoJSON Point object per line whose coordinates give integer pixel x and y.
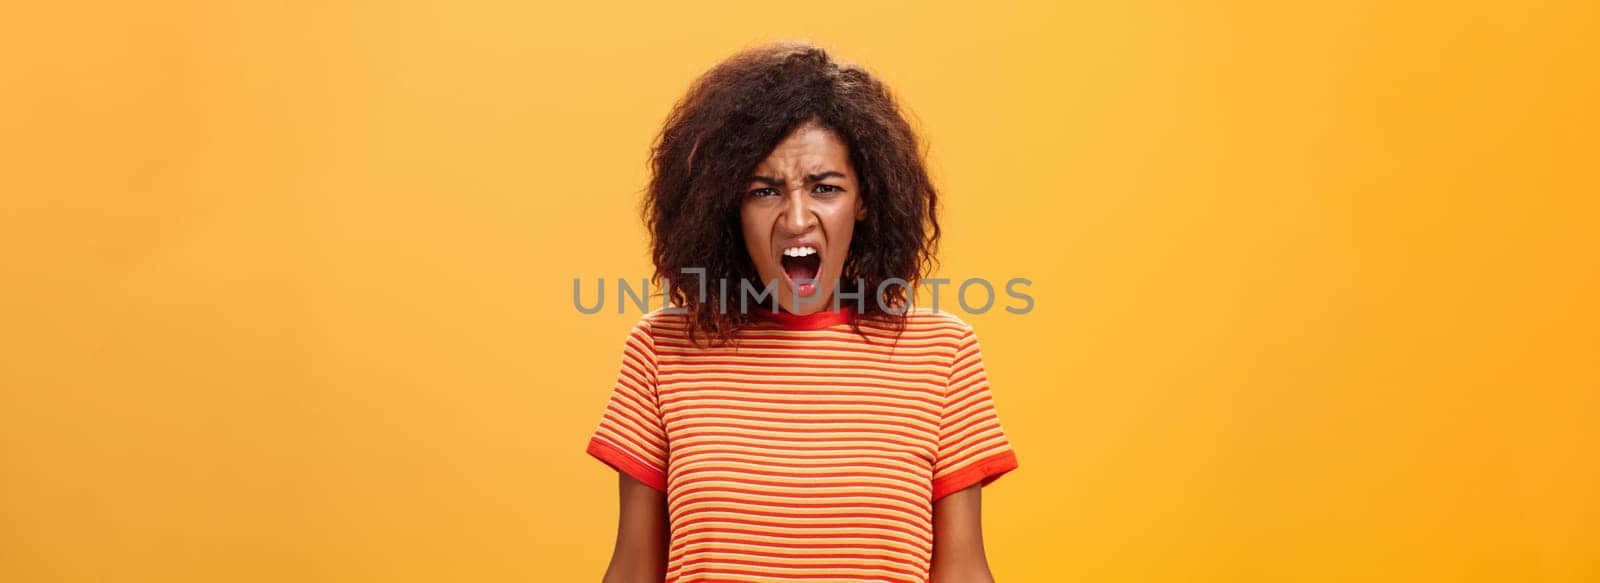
{"type": "Point", "coordinates": [631, 437]}
{"type": "Point", "coordinates": [973, 448]}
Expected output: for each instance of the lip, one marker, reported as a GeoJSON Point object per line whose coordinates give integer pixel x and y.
{"type": "Point", "coordinates": [800, 243]}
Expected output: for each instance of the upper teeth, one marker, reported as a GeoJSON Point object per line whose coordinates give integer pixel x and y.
{"type": "Point", "coordinates": [799, 251]}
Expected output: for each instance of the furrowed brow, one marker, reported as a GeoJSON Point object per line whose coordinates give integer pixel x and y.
{"type": "Point", "coordinates": [820, 176]}
{"type": "Point", "coordinates": [823, 176]}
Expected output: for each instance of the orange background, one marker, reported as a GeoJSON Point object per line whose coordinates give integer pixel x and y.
{"type": "Point", "coordinates": [287, 289]}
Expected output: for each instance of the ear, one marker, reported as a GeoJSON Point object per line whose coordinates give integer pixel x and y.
{"type": "Point", "coordinates": [861, 211]}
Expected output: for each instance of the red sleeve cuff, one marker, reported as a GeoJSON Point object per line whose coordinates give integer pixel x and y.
{"type": "Point", "coordinates": [983, 471]}
{"type": "Point", "coordinates": [628, 464]}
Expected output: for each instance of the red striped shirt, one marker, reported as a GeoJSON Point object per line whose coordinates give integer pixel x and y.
{"type": "Point", "coordinates": [805, 452]}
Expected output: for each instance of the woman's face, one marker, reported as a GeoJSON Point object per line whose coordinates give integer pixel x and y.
{"type": "Point", "coordinates": [798, 213]}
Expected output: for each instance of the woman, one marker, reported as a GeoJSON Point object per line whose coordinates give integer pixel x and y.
{"type": "Point", "coordinates": [822, 430]}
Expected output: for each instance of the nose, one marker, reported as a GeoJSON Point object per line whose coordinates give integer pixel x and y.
{"type": "Point", "coordinates": [797, 216]}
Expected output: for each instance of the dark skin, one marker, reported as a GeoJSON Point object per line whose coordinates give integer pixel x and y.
{"type": "Point", "coordinates": [642, 536]}
{"type": "Point", "coordinates": [641, 550]}
{"type": "Point", "coordinates": [958, 555]}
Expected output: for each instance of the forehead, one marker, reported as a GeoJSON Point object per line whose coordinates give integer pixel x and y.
{"type": "Point", "coordinates": [808, 148]}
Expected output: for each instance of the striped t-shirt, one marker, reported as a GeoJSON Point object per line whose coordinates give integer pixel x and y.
{"type": "Point", "coordinates": [805, 452]}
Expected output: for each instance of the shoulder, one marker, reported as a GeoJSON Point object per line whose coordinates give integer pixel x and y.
{"type": "Point", "coordinates": [659, 323]}
{"type": "Point", "coordinates": [937, 321]}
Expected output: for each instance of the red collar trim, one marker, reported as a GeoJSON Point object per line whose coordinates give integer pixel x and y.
{"type": "Point", "coordinates": [814, 321]}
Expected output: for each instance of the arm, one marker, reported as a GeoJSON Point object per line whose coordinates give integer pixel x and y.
{"type": "Point", "coordinates": [641, 550]}
{"type": "Point", "coordinates": [958, 538]}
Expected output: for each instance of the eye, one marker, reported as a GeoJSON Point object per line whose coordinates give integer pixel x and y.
{"type": "Point", "coordinates": [760, 192]}
{"type": "Point", "coordinates": [825, 188]}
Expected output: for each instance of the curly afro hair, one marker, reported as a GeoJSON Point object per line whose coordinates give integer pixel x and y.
{"type": "Point", "coordinates": [730, 120]}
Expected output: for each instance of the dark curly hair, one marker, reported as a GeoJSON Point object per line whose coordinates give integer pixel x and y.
{"type": "Point", "coordinates": [731, 119]}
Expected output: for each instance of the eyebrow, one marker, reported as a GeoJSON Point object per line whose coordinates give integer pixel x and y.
{"type": "Point", "coordinates": [770, 181]}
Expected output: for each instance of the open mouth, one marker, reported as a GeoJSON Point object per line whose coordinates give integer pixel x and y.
{"type": "Point", "coordinates": [802, 265]}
